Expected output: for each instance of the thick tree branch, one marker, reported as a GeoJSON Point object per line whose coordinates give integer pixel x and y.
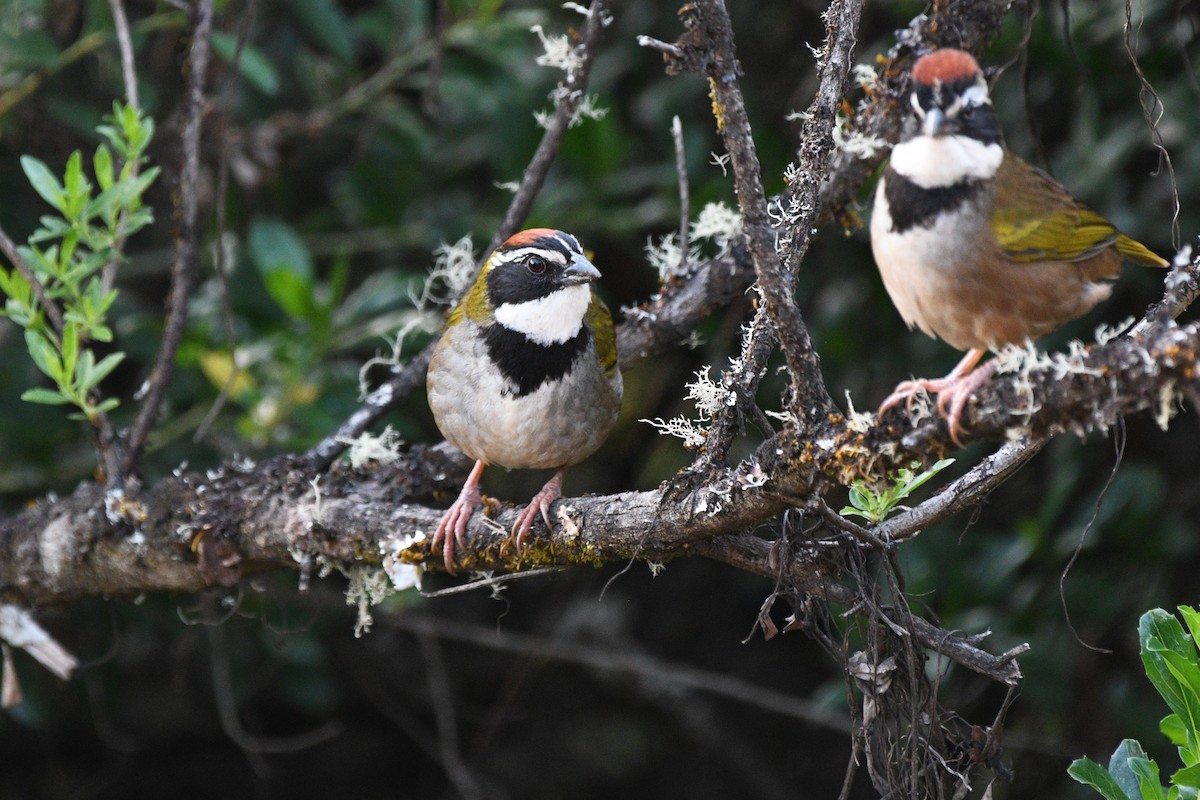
{"type": "Point", "coordinates": [245, 520]}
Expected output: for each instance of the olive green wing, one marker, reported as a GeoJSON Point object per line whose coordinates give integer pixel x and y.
{"type": "Point", "coordinates": [599, 322]}
{"type": "Point", "coordinates": [1036, 219]}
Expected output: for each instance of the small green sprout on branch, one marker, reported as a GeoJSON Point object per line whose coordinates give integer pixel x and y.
{"type": "Point", "coordinates": [67, 255]}
{"type": "Point", "coordinates": [875, 507]}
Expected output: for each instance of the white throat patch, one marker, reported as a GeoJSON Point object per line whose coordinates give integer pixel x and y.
{"type": "Point", "coordinates": [933, 162]}
{"type": "Point", "coordinates": [553, 319]}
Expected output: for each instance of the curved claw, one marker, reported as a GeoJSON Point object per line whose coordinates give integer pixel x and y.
{"type": "Point", "coordinates": [957, 395]}
{"type": "Point", "coordinates": [452, 528]}
{"type": "Point", "coordinates": [540, 504]}
{"type": "Point", "coordinates": [953, 391]}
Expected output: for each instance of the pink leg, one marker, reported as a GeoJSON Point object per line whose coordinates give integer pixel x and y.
{"type": "Point", "coordinates": [954, 390]}
{"type": "Point", "coordinates": [453, 526]}
{"type": "Point", "coordinates": [540, 504]}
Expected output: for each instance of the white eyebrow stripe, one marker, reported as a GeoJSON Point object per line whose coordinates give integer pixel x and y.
{"type": "Point", "coordinates": [521, 252]}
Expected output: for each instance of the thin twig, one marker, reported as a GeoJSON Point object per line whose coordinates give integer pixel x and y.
{"type": "Point", "coordinates": [429, 97]}
{"type": "Point", "coordinates": [108, 273]}
{"type": "Point", "coordinates": [219, 266]}
{"type": "Point", "coordinates": [184, 270]}
{"type": "Point", "coordinates": [376, 406]}
{"type": "Point", "coordinates": [125, 43]}
{"type": "Point", "coordinates": [82, 47]}
{"type": "Point", "coordinates": [752, 554]}
{"type": "Point", "coordinates": [226, 699]}
{"type": "Point", "coordinates": [447, 725]}
{"type": "Point", "coordinates": [684, 194]}
{"type": "Point", "coordinates": [624, 660]}
{"type": "Point", "coordinates": [966, 491]}
{"type": "Point", "coordinates": [1152, 111]}
{"type": "Point", "coordinates": [800, 204]}
{"type": "Point", "coordinates": [667, 49]}
{"type": "Point", "coordinates": [568, 97]}
{"type": "Point", "coordinates": [22, 266]}
{"type": "Point", "coordinates": [742, 378]}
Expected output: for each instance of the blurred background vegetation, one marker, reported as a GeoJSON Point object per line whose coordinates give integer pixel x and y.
{"type": "Point", "coordinates": [345, 147]}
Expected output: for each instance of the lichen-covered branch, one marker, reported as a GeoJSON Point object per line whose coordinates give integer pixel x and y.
{"type": "Point", "coordinates": [195, 529]}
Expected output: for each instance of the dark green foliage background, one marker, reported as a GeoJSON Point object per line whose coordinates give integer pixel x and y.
{"type": "Point", "coordinates": [362, 193]}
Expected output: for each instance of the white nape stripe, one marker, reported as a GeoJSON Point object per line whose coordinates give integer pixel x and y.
{"type": "Point", "coordinates": [934, 162]}
{"type": "Point", "coordinates": [553, 319]}
{"type": "Point", "coordinates": [976, 95]}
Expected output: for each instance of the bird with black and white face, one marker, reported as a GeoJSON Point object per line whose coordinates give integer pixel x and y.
{"type": "Point", "coordinates": [525, 375]}
{"type": "Point", "coordinates": [975, 246]}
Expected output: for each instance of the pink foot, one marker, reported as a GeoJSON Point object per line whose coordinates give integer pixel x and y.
{"type": "Point", "coordinates": [451, 529]}
{"type": "Point", "coordinates": [540, 504]}
{"type": "Point", "coordinates": [953, 391]}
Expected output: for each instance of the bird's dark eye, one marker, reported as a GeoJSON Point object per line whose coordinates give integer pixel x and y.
{"type": "Point", "coordinates": [535, 264]}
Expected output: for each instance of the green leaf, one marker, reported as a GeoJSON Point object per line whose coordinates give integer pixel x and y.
{"type": "Point", "coordinates": [1174, 729]}
{"type": "Point", "coordinates": [108, 404]}
{"type": "Point", "coordinates": [1169, 657]}
{"type": "Point", "coordinates": [326, 23]}
{"type": "Point", "coordinates": [46, 397]}
{"type": "Point", "coordinates": [106, 366]}
{"type": "Point", "coordinates": [44, 355]}
{"type": "Point", "coordinates": [76, 186]}
{"type": "Point", "coordinates": [1188, 776]}
{"type": "Point", "coordinates": [1149, 784]}
{"type": "Point", "coordinates": [102, 163]}
{"type": "Point", "coordinates": [1124, 767]}
{"type": "Point", "coordinates": [44, 182]}
{"type": "Point", "coordinates": [285, 266]}
{"type": "Point", "coordinates": [255, 67]}
{"type": "Point", "coordinates": [1090, 773]}
{"type": "Point", "coordinates": [1192, 618]}
{"type": "Point", "coordinates": [70, 351]}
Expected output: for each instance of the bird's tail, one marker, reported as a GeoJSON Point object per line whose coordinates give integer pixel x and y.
{"type": "Point", "coordinates": [1138, 253]}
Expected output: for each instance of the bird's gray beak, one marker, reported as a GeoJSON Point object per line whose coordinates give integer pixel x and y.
{"type": "Point", "coordinates": [580, 270]}
{"type": "Point", "coordinates": [932, 122]}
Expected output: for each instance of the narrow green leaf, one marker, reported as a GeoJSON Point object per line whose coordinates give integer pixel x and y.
{"type": "Point", "coordinates": [102, 164]}
{"type": "Point", "coordinates": [76, 186]}
{"type": "Point", "coordinates": [254, 66]}
{"type": "Point", "coordinates": [326, 23]}
{"type": "Point", "coordinates": [46, 397]}
{"type": "Point", "coordinates": [70, 350]}
{"type": "Point", "coordinates": [106, 405]}
{"type": "Point", "coordinates": [106, 366]}
{"type": "Point", "coordinates": [285, 266]}
{"type": "Point", "coordinates": [44, 355]}
{"type": "Point", "coordinates": [44, 182]}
